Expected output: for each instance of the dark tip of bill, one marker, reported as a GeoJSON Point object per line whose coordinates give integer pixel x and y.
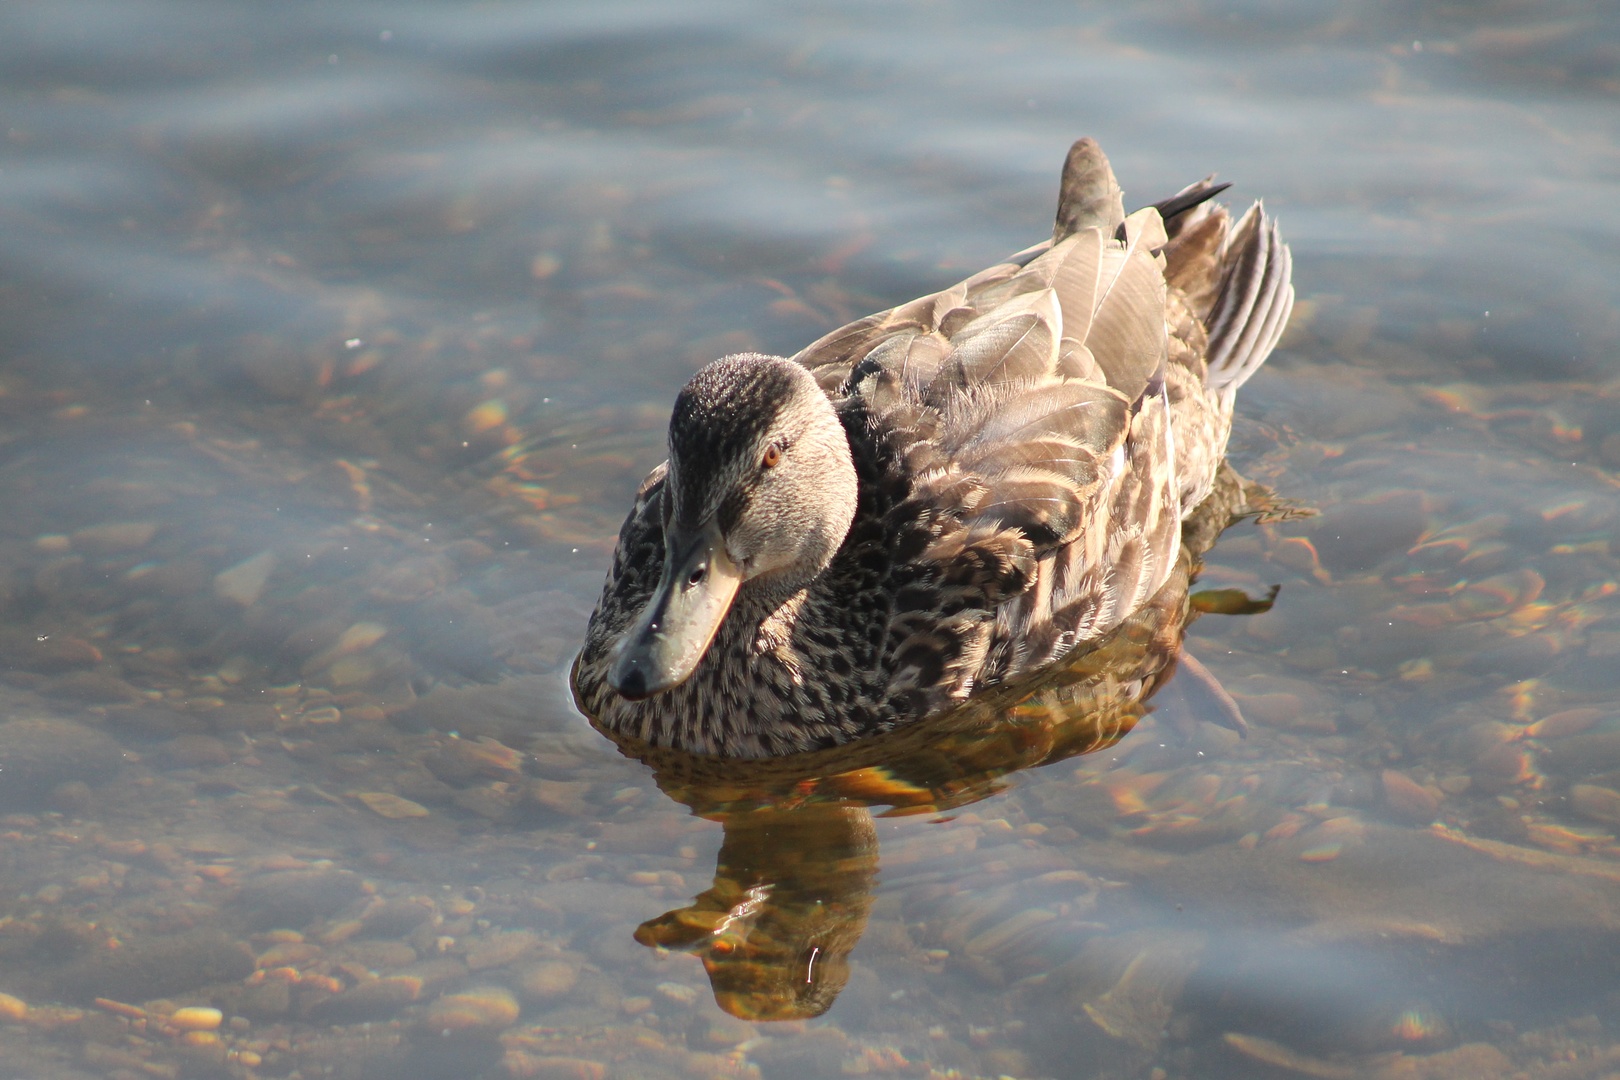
{"type": "Point", "coordinates": [631, 683]}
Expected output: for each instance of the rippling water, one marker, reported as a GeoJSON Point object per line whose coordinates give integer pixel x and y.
{"type": "Point", "coordinates": [336, 338]}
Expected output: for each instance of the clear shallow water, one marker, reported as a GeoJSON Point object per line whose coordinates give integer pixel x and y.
{"type": "Point", "coordinates": [336, 338]}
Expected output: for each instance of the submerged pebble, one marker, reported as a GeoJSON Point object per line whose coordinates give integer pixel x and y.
{"type": "Point", "coordinates": [395, 918]}
{"type": "Point", "coordinates": [1357, 536]}
{"type": "Point", "coordinates": [481, 1010]}
{"type": "Point", "coordinates": [565, 797]}
{"type": "Point", "coordinates": [525, 1066]}
{"type": "Point", "coordinates": [39, 753]}
{"type": "Point", "coordinates": [393, 806]}
{"type": "Point", "coordinates": [148, 967]}
{"type": "Point", "coordinates": [1408, 799]}
{"type": "Point", "coordinates": [244, 583]}
{"type": "Point", "coordinates": [47, 653]}
{"type": "Point", "coordinates": [1595, 802]}
{"type": "Point", "coordinates": [295, 898]}
{"type": "Point", "coordinates": [369, 1000]}
{"type": "Point", "coordinates": [1565, 723]}
{"type": "Point", "coordinates": [500, 949]}
{"type": "Point", "coordinates": [547, 980]}
{"type": "Point", "coordinates": [115, 536]}
{"type": "Point", "coordinates": [98, 687]}
{"type": "Point", "coordinates": [198, 751]}
{"type": "Point", "coordinates": [196, 1018]}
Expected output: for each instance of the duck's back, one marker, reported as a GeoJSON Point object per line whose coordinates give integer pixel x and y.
{"type": "Point", "coordinates": [1055, 416]}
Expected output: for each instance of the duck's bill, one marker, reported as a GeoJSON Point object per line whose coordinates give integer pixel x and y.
{"type": "Point", "coordinates": [663, 647]}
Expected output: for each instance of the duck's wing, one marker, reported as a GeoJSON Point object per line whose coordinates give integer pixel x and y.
{"type": "Point", "coordinates": [1034, 405]}
{"type": "Point", "coordinates": [1015, 391]}
{"type": "Point", "coordinates": [1027, 405]}
{"type": "Point", "coordinates": [1101, 516]}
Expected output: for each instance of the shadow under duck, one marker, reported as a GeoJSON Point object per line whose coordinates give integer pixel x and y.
{"type": "Point", "coordinates": [946, 496]}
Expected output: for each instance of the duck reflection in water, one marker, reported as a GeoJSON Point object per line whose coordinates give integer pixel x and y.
{"type": "Point", "coordinates": [791, 892]}
{"type": "Point", "coordinates": [796, 869]}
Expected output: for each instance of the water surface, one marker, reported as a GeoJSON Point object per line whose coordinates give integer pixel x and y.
{"type": "Point", "coordinates": [336, 338]}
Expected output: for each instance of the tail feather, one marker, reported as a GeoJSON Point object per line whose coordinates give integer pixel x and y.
{"type": "Point", "coordinates": [1255, 298]}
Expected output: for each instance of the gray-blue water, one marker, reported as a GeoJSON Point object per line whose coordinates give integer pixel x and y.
{"type": "Point", "coordinates": [334, 341]}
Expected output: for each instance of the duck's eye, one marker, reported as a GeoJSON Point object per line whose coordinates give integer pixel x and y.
{"type": "Point", "coordinates": [773, 454]}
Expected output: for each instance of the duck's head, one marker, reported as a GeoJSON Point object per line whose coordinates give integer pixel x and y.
{"type": "Point", "coordinates": [760, 493]}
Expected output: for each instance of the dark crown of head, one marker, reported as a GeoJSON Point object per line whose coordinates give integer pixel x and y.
{"type": "Point", "coordinates": [721, 413]}
{"type": "Point", "coordinates": [725, 409]}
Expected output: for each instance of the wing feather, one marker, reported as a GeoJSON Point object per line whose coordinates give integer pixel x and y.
{"type": "Point", "coordinates": [1092, 415]}
{"type": "Point", "coordinates": [1127, 337]}
{"type": "Point", "coordinates": [1076, 281]}
{"type": "Point", "coordinates": [1015, 343]}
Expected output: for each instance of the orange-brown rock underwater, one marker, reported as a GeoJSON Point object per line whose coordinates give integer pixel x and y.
{"type": "Point", "coordinates": [940, 499]}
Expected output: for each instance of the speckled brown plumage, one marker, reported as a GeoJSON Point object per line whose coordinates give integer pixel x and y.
{"type": "Point", "coordinates": [1024, 446]}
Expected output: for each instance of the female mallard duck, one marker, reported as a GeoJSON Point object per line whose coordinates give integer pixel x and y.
{"type": "Point", "coordinates": [940, 497]}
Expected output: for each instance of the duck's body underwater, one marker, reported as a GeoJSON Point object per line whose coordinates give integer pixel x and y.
{"type": "Point", "coordinates": [941, 497]}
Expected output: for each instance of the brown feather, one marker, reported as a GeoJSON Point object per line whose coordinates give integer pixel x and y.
{"type": "Point", "coordinates": [1076, 281]}
{"type": "Point", "coordinates": [1043, 506]}
{"type": "Point", "coordinates": [1127, 338]}
{"type": "Point", "coordinates": [996, 348]}
{"type": "Point", "coordinates": [1058, 454]}
{"type": "Point", "coordinates": [1255, 299]}
{"type": "Point", "coordinates": [1193, 259]}
{"type": "Point", "coordinates": [1094, 416]}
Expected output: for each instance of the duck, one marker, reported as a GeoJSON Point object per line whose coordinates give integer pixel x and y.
{"type": "Point", "coordinates": [954, 494]}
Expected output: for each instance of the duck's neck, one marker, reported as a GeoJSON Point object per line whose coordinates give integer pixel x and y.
{"type": "Point", "coordinates": [763, 597]}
